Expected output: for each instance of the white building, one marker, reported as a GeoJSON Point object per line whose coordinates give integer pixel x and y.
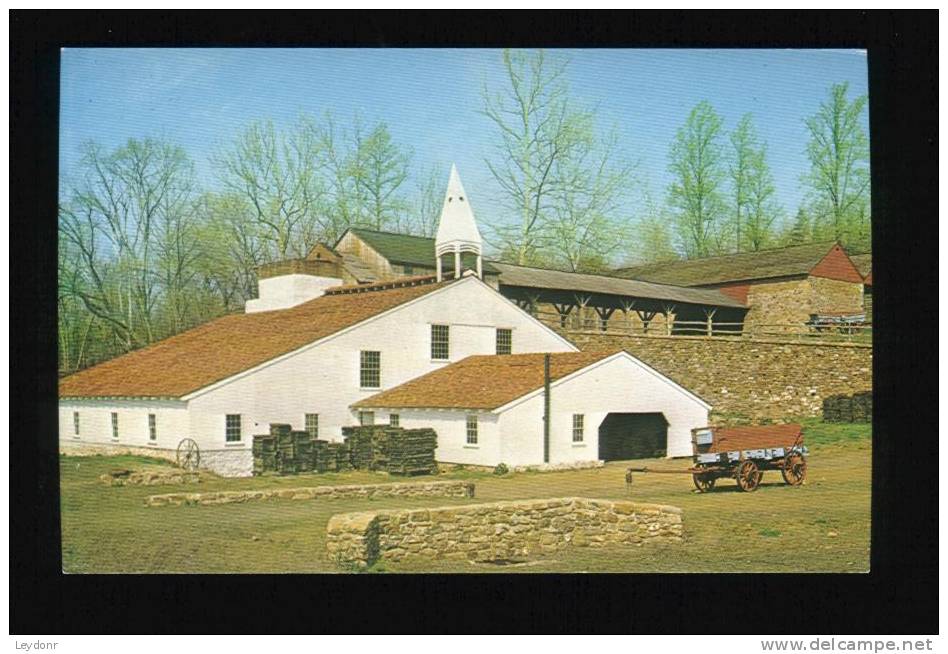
{"type": "Point", "coordinates": [320, 355]}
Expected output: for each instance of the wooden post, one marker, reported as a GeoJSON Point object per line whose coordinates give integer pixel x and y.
{"type": "Point", "coordinates": [708, 315]}
{"type": "Point", "coordinates": [546, 408]}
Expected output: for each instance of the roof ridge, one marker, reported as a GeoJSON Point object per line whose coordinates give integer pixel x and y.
{"type": "Point", "coordinates": [728, 255]}
{"type": "Point", "coordinates": [388, 233]}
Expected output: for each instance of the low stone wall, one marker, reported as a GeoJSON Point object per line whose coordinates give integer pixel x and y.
{"type": "Point", "coordinates": [367, 491]}
{"type": "Point", "coordinates": [556, 467]}
{"type": "Point", "coordinates": [150, 477]}
{"type": "Point", "coordinates": [749, 381]}
{"type": "Point", "coordinates": [498, 530]}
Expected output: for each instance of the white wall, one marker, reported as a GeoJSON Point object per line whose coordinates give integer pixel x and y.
{"type": "Point", "coordinates": [451, 427]}
{"type": "Point", "coordinates": [324, 379]}
{"type": "Point", "coordinates": [95, 422]}
{"type": "Point", "coordinates": [286, 291]}
{"type": "Point", "coordinates": [618, 385]}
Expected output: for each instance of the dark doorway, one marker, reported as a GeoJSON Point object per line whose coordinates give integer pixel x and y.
{"type": "Point", "coordinates": [633, 436]}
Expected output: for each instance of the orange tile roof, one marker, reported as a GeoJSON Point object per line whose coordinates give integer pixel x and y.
{"type": "Point", "coordinates": [214, 351]}
{"type": "Point", "coordinates": [481, 382]}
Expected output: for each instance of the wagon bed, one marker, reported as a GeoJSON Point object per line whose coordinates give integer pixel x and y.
{"type": "Point", "coordinates": [743, 453]}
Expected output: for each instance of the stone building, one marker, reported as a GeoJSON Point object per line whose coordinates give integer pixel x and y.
{"type": "Point", "coordinates": [864, 264]}
{"type": "Point", "coordinates": [783, 286]}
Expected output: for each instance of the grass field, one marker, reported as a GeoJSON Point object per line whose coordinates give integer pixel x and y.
{"type": "Point", "coordinates": [822, 526]}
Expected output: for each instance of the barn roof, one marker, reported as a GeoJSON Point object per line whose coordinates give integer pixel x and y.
{"type": "Point", "coordinates": [511, 275]}
{"type": "Point", "coordinates": [764, 264]}
{"type": "Point", "coordinates": [482, 381]}
{"type": "Point", "coordinates": [214, 351]}
{"type": "Point", "coordinates": [863, 263]}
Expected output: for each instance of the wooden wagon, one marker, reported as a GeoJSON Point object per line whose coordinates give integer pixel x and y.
{"type": "Point", "coordinates": [743, 454]}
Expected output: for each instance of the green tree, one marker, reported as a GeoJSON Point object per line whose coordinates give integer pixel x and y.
{"type": "Point", "coordinates": [838, 180]}
{"type": "Point", "coordinates": [800, 230]}
{"type": "Point", "coordinates": [696, 162]}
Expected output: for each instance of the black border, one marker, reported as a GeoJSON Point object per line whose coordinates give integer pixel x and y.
{"type": "Point", "coordinates": [898, 596]}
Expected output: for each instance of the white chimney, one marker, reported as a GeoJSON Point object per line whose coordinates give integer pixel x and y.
{"type": "Point", "coordinates": [285, 284]}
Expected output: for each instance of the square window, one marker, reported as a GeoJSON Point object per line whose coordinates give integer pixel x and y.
{"type": "Point", "coordinates": [311, 424]}
{"type": "Point", "coordinates": [409, 270]}
{"type": "Point", "coordinates": [115, 429]}
{"type": "Point", "coordinates": [366, 418]}
{"type": "Point", "coordinates": [370, 369]}
{"type": "Point", "coordinates": [393, 419]}
{"type": "Point", "coordinates": [504, 341]}
{"type": "Point", "coordinates": [232, 428]}
{"type": "Point", "coordinates": [578, 427]}
{"type": "Point", "coordinates": [440, 345]}
{"type": "Point", "coordinates": [75, 423]}
{"type": "Point", "coordinates": [152, 427]}
{"type": "Point", "coordinates": [472, 430]}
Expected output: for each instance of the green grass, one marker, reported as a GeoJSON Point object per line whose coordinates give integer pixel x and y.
{"type": "Point", "coordinates": [822, 526]}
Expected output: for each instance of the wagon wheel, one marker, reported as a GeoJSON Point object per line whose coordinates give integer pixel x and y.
{"type": "Point", "coordinates": [794, 469]}
{"type": "Point", "coordinates": [704, 481]}
{"type": "Point", "coordinates": [748, 476]}
{"type": "Point", "coordinates": [188, 454]}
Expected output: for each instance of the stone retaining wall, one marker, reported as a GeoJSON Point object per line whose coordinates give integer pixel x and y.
{"type": "Point", "coordinates": [749, 381]}
{"type": "Point", "coordinates": [367, 491]}
{"type": "Point", "coordinates": [498, 530]}
{"type": "Point", "coordinates": [235, 462]}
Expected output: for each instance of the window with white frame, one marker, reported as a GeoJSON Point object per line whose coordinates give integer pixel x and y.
{"type": "Point", "coordinates": [440, 344]}
{"type": "Point", "coordinates": [311, 424]}
{"type": "Point", "coordinates": [504, 341]}
{"type": "Point", "coordinates": [115, 429]}
{"type": "Point", "coordinates": [370, 369]}
{"type": "Point", "coordinates": [579, 421]}
{"type": "Point", "coordinates": [152, 427]}
{"type": "Point", "coordinates": [232, 428]}
{"type": "Point", "coordinates": [366, 418]}
{"type": "Point", "coordinates": [472, 429]}
{"type": "Point", "coordinates": [75, 423]}
{"type": "Point", "coordinates": [393, 420]}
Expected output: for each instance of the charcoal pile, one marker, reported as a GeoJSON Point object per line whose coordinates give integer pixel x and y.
{"type": "Point", "coordinates": [370, 447]}
{"type": "Point", "coordinates": [412, 452]}
{"type": "Point", "coordinates": [848, 408]}
{"type": "Point", "coordinates": [392, 449]}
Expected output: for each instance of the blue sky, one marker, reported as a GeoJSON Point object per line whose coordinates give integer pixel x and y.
{"type": "Point", "coordinates": [200, 98]}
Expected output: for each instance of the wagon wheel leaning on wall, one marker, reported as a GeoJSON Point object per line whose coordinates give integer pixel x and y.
{"type": "Point", "coordinates": [794, 469]}
{"type": "Point", "coordinates": [188, 455]}
{"type": "Point", "coordinates": [748, 476]}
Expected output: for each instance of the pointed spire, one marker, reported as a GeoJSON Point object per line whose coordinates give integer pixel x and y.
{"type": "Point", "coordinates": [457, 229]}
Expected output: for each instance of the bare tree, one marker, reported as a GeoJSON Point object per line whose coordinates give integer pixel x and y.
{"type": "Point", "coordinates": [109, 221]}
{"type": "Point", "coordinates": [275, 173]}
{"type": "Point", "coordinates": [537, 128]}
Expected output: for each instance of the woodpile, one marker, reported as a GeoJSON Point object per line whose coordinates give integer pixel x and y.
{"type": "Point", "coordinates": [848, 408]}
{"type": "Point", "coordinates": [371, 447]}
{"type": "Point", "coordinates": [392, 449]}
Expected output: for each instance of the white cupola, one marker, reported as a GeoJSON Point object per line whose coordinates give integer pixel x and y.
{"type": "Point", "coordinates": [457, 229]}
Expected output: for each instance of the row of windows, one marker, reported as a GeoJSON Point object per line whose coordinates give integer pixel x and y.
{"type": "Point", "coordinates": [152, 425]}
{"type": "Point", "coordinates": [232, 425]}
{"type": "Point", "coordinates": [370, 361]}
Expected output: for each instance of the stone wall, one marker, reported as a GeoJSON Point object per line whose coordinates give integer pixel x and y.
{"type": "Point", "coordinates": [791, 301]}
{"type": "Point", "coordinates": [226, 463]}
{"type": "Point", "coordinates": [366, 491]}
{"type": "Point", "coordinates": [749, 381]}
{"type": "Point", "coordinates": [498, 530]}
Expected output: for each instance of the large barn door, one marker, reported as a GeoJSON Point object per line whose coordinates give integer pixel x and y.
{"type": "Point", "coordinates": [633, 436]}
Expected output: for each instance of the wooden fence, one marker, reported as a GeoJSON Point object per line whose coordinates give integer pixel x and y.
{"type": "Point", "coordinates": [854, 332]}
